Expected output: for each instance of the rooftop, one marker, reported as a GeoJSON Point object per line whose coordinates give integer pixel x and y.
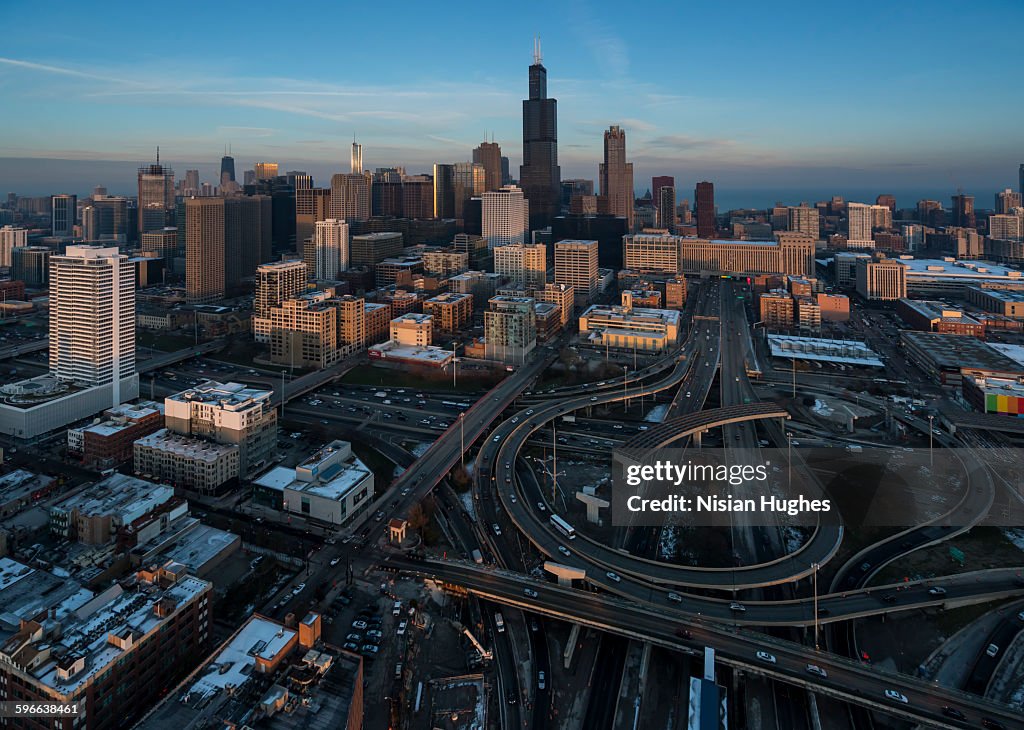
{"type": "Point", "coordinates": [1003, 295]}
{"type": "Point", "coordinates": [952, 268]}
{"type": "Point", "coordinates": [21, 483]}
{"type": "Point", "coordinates": [413, 318]}
{"type": "Point", "coordinates": [1011, 387]}
{"type": "Point", "coordinates": [449, 297]}
{"type": "Point", "coordinates": [230, 396]}
{"type": "Point", "coordinates": [232, 666]}
{"type": "Point", "coordinates": [625, 315]}
{"type": "Point", "coordinates": [429, 355]}
{"type": "Point", "coordinates": [953, 352]}
{"type": "Point", "coordinates": [187, 446]}
{"type": "Point", "coordinates": [119, 495]}
{"type": "Point", "coordinates": [331, 473]}
{"type": "Point", "coordinates": [847, 352]}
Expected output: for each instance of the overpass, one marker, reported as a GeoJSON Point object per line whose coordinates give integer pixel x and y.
{"type": "Point", "coordinates": [700, 421]}
{"type": "Point", "coordinates": [844, 679]}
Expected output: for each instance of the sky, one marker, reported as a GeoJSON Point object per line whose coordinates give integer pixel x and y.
{"type": "Point", "coordinates": [767, 99]}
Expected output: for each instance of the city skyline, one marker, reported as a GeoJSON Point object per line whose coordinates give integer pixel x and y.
{"type": "Point", "coordinates": [795, 126]}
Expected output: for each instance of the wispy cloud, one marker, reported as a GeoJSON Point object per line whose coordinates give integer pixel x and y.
{"type": "Point", "coordinates": [64, 71]}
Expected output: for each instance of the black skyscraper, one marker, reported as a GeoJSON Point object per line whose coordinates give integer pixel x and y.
{"type": "Point", "coordinates": [227, 169]}
{"type": "Point", "coordinates": [539, 176]}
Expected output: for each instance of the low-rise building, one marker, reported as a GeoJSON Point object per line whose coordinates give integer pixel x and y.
{"type": "Point", "coordinates": [189, 462]}
{"type": "Point", "coordinates": [834, 307]}
{"type": "Point", "coordinates": [413, 329]}
{"type": "Point", "coordinates": [1002, 396]}
{"type": "Point", "coordinates": [776, 309]}
{"type": "Point", "coordinates": [636, 328]}
{"type": "Point", "coordinates": [411, 356]}
{"type": "Point", "coordinates": [949, 358]}
{"type": "Point", "coordinates": [547, 316]}
{"type": "Point", "coordinates": [1005, 302]}
{"type": "Point", "coordinates": [451, 311]}
{"type": "Point", "coordinates": [331, 486]}
{"type": "Point", "coordinates": [675, 293]}
{"type": "Point", "coordinates": [929, 316]}
{"type": "Point", "coordinates": [96, 515]}
{"type": "Point", "coordinates": [22, 488]}
{"type": "Point", "coordinates": [109, 441]}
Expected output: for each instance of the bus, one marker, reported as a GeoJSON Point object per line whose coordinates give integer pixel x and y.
{"type": "Point", "coordinates": [460, 406]}
{"type": "Point", "coordinates": [564, 527]}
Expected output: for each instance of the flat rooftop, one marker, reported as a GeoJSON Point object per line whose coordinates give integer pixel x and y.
{"type": "Point", "coordinates": [953, 352]}
{"type": "Point", "coordinates": [449, 298]}
{"type": "Point", "coordinates": [233, 664]}
{"type": "Point", "coordinates": [119, 495]}
{"type": "Point", "coordinates": [844, 352]}
{"type": "Point", "coordinates": [334, 484]}
{"type": "Point", "coordinates": [623, 315]}
{"type": "Point", "coordinates": [234, 396]}
{"type": "Point", "coordinates": [21, 483]}
{"type": "Point", "coordinates": [999, 386]}
{"type": "Point", "coordinates": [952, 268]}
{"type": "Point", "coordinates": [186, 446]}
{"type": "Point", "coordinates": [428, 355]}
{"type": "Point", "coordinates": [1002, 295]}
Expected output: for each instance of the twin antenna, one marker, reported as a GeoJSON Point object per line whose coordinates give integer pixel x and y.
{"type": "Point", "coordinates": [536, 51]}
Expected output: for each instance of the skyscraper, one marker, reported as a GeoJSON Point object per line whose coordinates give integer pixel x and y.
{"type": "Point", "coordinates": [265, 170]}
{"type": "Point", "coordinates": [488, 154]}
{"type": "Point", "coordinates": [276, 282]}
{"type": "Point", "coordinates": [506, 174]}
{"type": "Point", "coordinates": [227, 169]}
{"type": "Point", "coordinates": [1006, 201]}
{"type": "Point", "coordinates": [350, 197]}
{"type": "Point", "coordinates": [859, 225]}
{"type": "Point", "coordinates": [576, 266]}
{"type": "Point", "coordinates": [963, 211]}
{"type": "Point", "coordinates": [469, 179]}
{"type": "Point", "coordinates": [92, 317]}
{"type": "Point", "coordinates": [539, 174]}
{"type": "Point", "coordinates": [616, 175]}
{"type": "Point", "coordinates": [31, 264]}
{"type": "Point", "coordinates": [526, 265]}
{"type": "Point", "coordinates": [665, 199]}
{"type": "Point", "coordinates": [444, 190]}
{"type": "Point", "coordinates": [191, 183]}
{"type": "Point", "coordinates": [660, 181]}
{"type": "Point", "coordinates": [156, 197]}
{"type": "Point", "coordinates": [11, 238]}
{"type": "Point", "coordinates": [356, 158]}
{"type": "Point", "coordinates": [1020, 179]}
{"type": "Point", "coordinates": [311, 205]}
{"type": "Point", "coordinates": [889, 201]}
{"type": "Point", "coordinates": [63, 211]}
{"type": "Point", "coordinates": [248, 224]}
{"type": "Point", "coordinates": [330, 242]}
{"type": "Point", "coordinates": [704, 199]}
{"type": "Point", "coordinates": [204, 250]}
{"type": "Point", "coordinates": [506, 215]}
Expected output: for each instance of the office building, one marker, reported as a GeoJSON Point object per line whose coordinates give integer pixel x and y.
{"type": "Point", "coordinates": [63, 215]}
{"type": "Point", "coordinates": [962, 213]}
{"type": "Point", "coordinates": [444, 190]}
{"type": "Point", "coordinates": [1006, 227]}
{"type": "Point", "coordinates": [227, 170]}
{"type": "Point", "coordinates": [704, 199]}
{"type": "Point", "coordinates": [803, 219]}
{"type": "Point", "coordinates": [445, 263]}
{"type": "Point", "coordinates": [488, 154]}
{"type": "Point", "coordinates": [576, 266]}
{"type": "Point", "coordinates": [247, 236]}
{"type": "Point", "coordinates": [413, 329]}
{"type": "Point", "coordinates": [525, 265]}
{"type": "Point", "coordinates": [92, 317]}
{"type": "Point", "coordinates": [11, 238]}
{"type": "Point", "coordinates": [64, 643]}
{"type": "Point", "coordinates": [665, 200]}
{"type": "Point", "coordinates": [399, 268]}
{"type": "Point", "coordinates": [350, 197]}
{"type": "Point", "coordinates": [657, 183]}
{"type": "Point", "coordinates": [330, 245]}
{"type": "Point", "coordinates": [675, 293]}
{"type": "Point", "coordinates": [31, 264]}
{"type": "Point", "coordinates": [844, 265]}
{"type": "Point", "coordinates": [510, 328]}
{"type": "Point", "coordinates": [791, 253]}
{"type": "Point", "coordinates": [539, 174]}
{"type": "Point", "coordinates": [630, 328]}
{"type": "Point", "coordinates": [356, 159]}
{"type": "Point", "coordinates": [304, 332]}
{"type": "Point", "coordinates": [265, 170]}
{"type": "Point", "coordinates": [616, 176]}
{"type": "Point", "coordinates": [651, 252]}
{"type": "Point", "coordinates": [562, 295]}
{"type": "Point", "coordinates": [156, 208]}
{"type": "Point", "coordinates": [468, 180]}
{"type": "Point", "coordinates": [377, 320]}
{"type": "Point", "coordinates": [311, 205]}
{"type": "Point", "coordinates": [450, 311]}
{"type": "Point", "coordinates": [833, 307]}
{"type": "Point", "coordinates": [881, 280]}
{"type": "Point", "coordinates": [1007, 200]}
{"type": "Point", "coordinates": [372, 248]}
{"type": "Point", "coordinates": [204, 250]}
{"type": "Point", "coordinates": [109, 219]}
{"type": "Point", "coordinates": [506, 216]}
{"type": "Point", "coordinates": [108, 441]}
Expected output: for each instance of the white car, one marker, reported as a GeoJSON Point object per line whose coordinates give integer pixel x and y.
{"type": "Point", "coordinates": [613, 576]}
{"type": "Point", "coordinates": [298, 589]}
{"type": "Point", "coordinates": [564, 550]}
{"type": "Point", "coordinates": [335, 561]}
{"type": "Point", "coordinates": [541, 507]}
{"type": "Point", "coordinates": [675, 597]}
{"type": "Point", "coordinates": [496, 528]}
{"type": "Point", "coordinates": [529, 593]}
{"type": "Point", "coordinates": [738, 607]}
{"type": "Point", "coordinates": [992, 650]}
{"type": "Point", "coordinates": [766, 657]}
{"type": "Point", "coordinates": [815, 669]}
{"type": "Point", "coordinates": [512, 498]}
{"type": "Point", "coordinates": [937, 591]}
{"type": "Point", "coordinates": [896, 696]}
{"type": "Point", "coordinates": [402, 626]}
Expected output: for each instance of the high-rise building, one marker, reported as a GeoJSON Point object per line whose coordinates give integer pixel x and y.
{"type": "Point", "coordinates": [506, 174]}
{"type": "Point", "coordinates": [506, 216]}
{"type": "Point", "coordinates": [576, 266]}
{"type": "Point", "coordinates": [265, 170]}
{"type": "Point", "coordinates": [311, 205]}
{"type": "Point", "coordinates": [351, 320]}
{"type": "Point", "coordinates": [356, 159]}
{"type": "Point", "coordinates": [204, 250]}
{"type": "Point", "coordinates": [304, 332]}
{"type": "Point", "coordinates": [277, 281]}
{"type": "Point", "coordinates": [804, 219]}
{"type": "Point", "coordinates": [488, 154]}
{"type": "Point", "coordinates": [539, 174]}
{"type": "Point", "coordinates": [525, 264]}
{"type": "Point", "coordinates": [1006, 227]}
{"type": "Point", "coordinates": [156, 197]}
{"type": "Point", "coordinates": [651, 253]}
{"type": "Point", "coordinates": [247, 236]}
{"type": "Point", "coordinates": [330, 242]}
{"type": "Point", "coordinates": [444, 190]}
{"type": "Point", "coordinates": [704, 199]}
{"type": "Point", "coordinates": [963, 211]}
{"type": "Point", "coordinates": [665, 199]}
{"type": "Point", "coordinates": [31, 264]}
{"type": "Point", "coordinates": [163, 243]}
{"type": "Point", "coordinates": [1006, 201]}
{"type": "Point", "coordinates": [1020, 179]}
{"type": "Point", "coordinates": [190, 185]}
{"type": "Point", "coordinates": [107, 219]}
{"type": "Point", "coordinates": [92, 317]}
{"type": "Point", "coordinates": [417, 197]}
{"type": "Point", "coordinates": [350, 197]}
{"type": "Point", "coordinates": [227, 170]}
{"type": "Point", "coordinates": [386, 193]}
{"type": "Point", "coordinates": [860, 223]}
{"type": "Point", "coordinates": [372, 248]}
{"type": "Point", "coordinates": [510, 328]}
{"type": "Point", "coordinates": [10, 239]}
{"type": "Point", "coordinates": [889, 201]}
{"type": "Point", "coordinates": [63, 213]}
{"type": "Point", "coordinates": [468, 180]}
{"type": "Point", "coordinates": [561, 294]}
{"type": "Point", "coordinates": [884, 280]}
{"type": "Point", "coordinates": [660, 181]}
{"type": "Point", "coordinates": [881, 218]}
{"type": "Point", "coordinates": [616, 175]}
{"type": "Point", "coordinates": [450, 310]}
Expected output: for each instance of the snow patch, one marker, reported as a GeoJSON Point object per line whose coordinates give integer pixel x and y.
{"type": "Point", "coordinates": [467, 502]}
{"type": "Point", "coordinates": [821, 408]}
{"type": "Point", "coordinates": [1016, 536]}
{"type": "Point", "coordinates": [657, 414]}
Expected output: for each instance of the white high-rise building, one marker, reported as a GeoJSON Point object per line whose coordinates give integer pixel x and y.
{"type": "Point", "coordinates": [506, 216]}
{"type": "Point", "coordinates": [524, 264]}
{"type": "Point", "coordinates": [357, 158]}
{"type": "Point", "coordinates": [576, 266]}
{"type": "Point", "coordinates": [330, 241]}
{"type": "Point", "coordinates": [92, 317]}
{"type": "Point", "coordinates": [860, 222]}
{"type": "Point", "coordinates": [10, 239]}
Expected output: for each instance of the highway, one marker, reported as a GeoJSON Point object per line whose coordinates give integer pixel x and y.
{"type": "Point", "coordinates": [847, 680]}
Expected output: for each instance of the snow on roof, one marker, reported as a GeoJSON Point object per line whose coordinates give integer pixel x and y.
{"type": "Point", "coordinates": [233, 665]}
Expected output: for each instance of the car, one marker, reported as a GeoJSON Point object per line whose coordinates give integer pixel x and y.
{"type": "Point", "coordinates": [349, 646]}
{"type": "Point", "coordinates": [992, 649]}
{"type": "Point", "coordinates": [374, 634]}
{"type": "Point", "coordinates": [865, 566]}
{"type": "Point", "coordinates": [359, 624]}
{"type": "Point", "coordinates": [497, 438]}
{"type": "Point", "coordinates": [766, 657]}
{"type": "Point", "coordinates": [402, 626]}
{"type": "Point", "coordinates": [512, 497]}
{"type": "Point", "coordinates": [369, 649]}
{"type": "Point", "coordinates": [990, 724]}
{"type": "Point", "coordinates": [738, 607]}
{"type": "Point", "coordinates": [298, 589]}
{"type": "Point", "coordinates": [326, 423]}
{"type": "Point", "coordinates": [379, 516]}
{"type": "Point", "coordinates": [937, 591]}
{"type": "Point", "coordinates": [396, 608]}
{"type": "Point", "coordinates": [512, 697]}
{"type": "Point", "coordinates": [896, 696]}
{"type": "Point", "coordinates": [335, 561]}
{"type": "Point", "coordinates": [508, 464]}
{"type": "Point", "coordinates": [354, 638]}
{"type": "Point", "coordinates": [497, 528]}
{"type": "Point", "coordinates": [675, 597]}
{"type": "Point", "coordinates": [889, 598]}
{"type": "Point", "coordinates": [815, 669]}
{"type": "Point", "coordinates": [564, 550]}
{"type": "Point", "coordinates": [950, 711]}
{"type": "Point", "coordinates": [1020, 616]}
{"type": "Point", "coordinates": [593, 398]}
{"type": "Point", "coordinates": [613, 576]}
{"type": "Point", "coordinates": [541, 680]}
{"type": "Point", "coordinates": [541, 507]}
{"type": "Point", "coordinates": [529, 593]}
{"type": "Point", "coordinates": [617, 426]}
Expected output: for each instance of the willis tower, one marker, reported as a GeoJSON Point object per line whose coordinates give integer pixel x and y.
{"type": "Point", "coordinates": [539, 176]}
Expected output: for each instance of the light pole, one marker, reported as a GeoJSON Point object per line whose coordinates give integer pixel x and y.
{"type": "Point", "coordinates": [462, 436]}
{"type": "Point", "coordinates": [283, 371]}
{"type": "Point", "coordinates": [931, 441]}
{"type": "Point", "coordinates": [554, 465]}
{"type": "Point", "coordinates": [455, 366]}
{"type": "Point", "coordinates": [625, 371]}
{"type": "Point", "coordinates": [814, 567]}
{"type": "Point", "coordinates": [789, 458]}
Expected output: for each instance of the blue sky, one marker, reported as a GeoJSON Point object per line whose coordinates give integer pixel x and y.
{"type": "Point", "coordinates": [788, 95]}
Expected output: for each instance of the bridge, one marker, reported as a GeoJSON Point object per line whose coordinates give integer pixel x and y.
{"type": "Point", "coordinates": [696, 423]}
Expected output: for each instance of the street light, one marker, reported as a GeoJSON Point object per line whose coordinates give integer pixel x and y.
{"type": "Point", "coordinates": [789, 457]}
{"type": "Point", "coordinates": [462, 436]}
{"type": "Point", "coordinates": [814, 567]}
{"type": "Point", "coordinates": [625, 370]}
{"type": "Point", "coordinates": [931, 441]}
{"type": "Point", "coordinates": [283, 371]}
